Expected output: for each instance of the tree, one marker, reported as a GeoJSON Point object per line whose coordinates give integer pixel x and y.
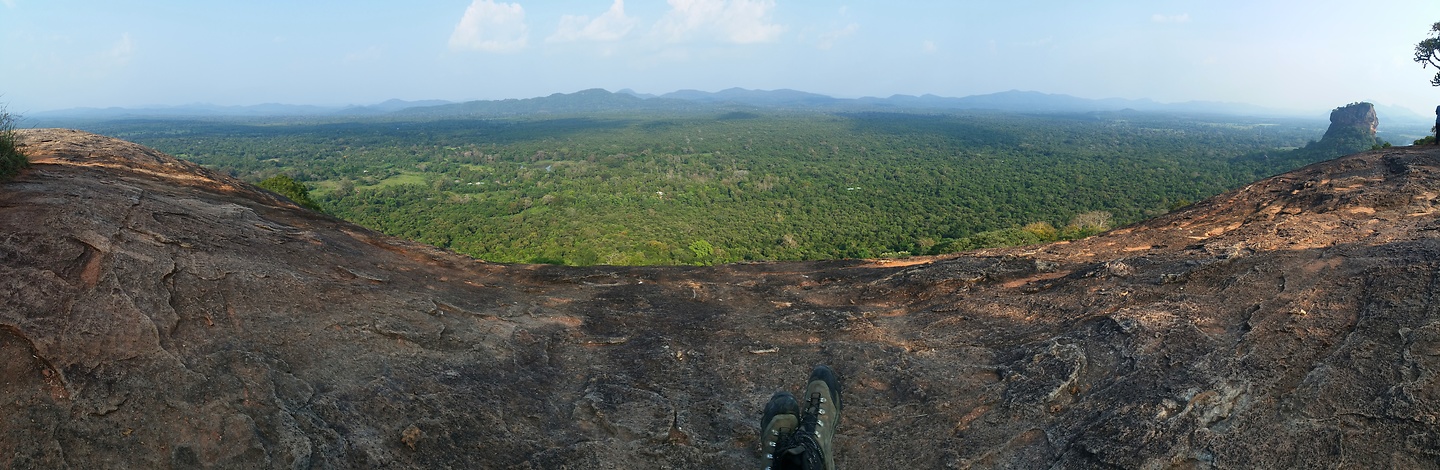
{"type": "Point", "coordinates": [286, 186]}
{"type": "Point", "coordinates": [703, 251]}
{"type": "Point", "coordinates": [1427, 52]}
{"type": "Point", "coordinates": [1087, 224]}
{"type": "Point", "coordinates": [11, 160]}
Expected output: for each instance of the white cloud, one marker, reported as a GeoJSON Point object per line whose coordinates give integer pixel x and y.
{"type": "Point", "coordinates": [928, 46]}
{"type": "Point", "coordinates": [1181, 18]}
{"type": "Point", "coordinates": [8, 3]}
{"type": "Point", "coordinates": [491, 27]}
{"type": "Point", "coordinates": [122, 51]}
{"type": "Point", "coordinates": [827, 40]}
{"type": "Point", "coordinates": [736, 21]}
{"type": "Point", "coordinates": [610, 26]}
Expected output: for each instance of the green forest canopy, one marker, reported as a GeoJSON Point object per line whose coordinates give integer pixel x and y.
{"type": "Point", "coordinates": [713, 187]}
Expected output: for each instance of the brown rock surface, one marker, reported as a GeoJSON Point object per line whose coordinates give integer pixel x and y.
{"type": "Point", "coordinates": [1357, 116]}
{"type": "Point", "coordinates": [154, 314]}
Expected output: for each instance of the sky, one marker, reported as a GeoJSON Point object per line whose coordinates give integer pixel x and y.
{"type": "Point", "coordinates": [1290, 55]}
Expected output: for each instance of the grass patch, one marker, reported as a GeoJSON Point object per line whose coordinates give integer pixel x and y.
{"type": "Point", "coordinates": [405, 177]}
{"type": "Point", "coordinates": [11, 160]}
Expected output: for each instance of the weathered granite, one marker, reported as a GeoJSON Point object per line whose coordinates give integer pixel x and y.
{"type": "Point", "coordinates": [154, 314]}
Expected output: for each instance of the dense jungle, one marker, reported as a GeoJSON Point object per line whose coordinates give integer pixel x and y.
{"type": "Point", "coordinates": [716, 186]}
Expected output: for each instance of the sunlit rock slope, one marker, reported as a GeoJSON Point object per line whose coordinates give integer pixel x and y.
{"type": "Point", "coordinates": [154, 314]}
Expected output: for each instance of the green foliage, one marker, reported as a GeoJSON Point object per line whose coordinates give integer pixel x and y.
{"type": "Point", "coordinates": [11, 159]}
{"type": "Point", "coordinates": [1042, 231]}
{"type": "Point", "coordinates": [641, 189]}
{"type": "Point", "coordinates": [286, 186]}
{"type": "Point", "coordinates": [703, 251]}
{"type": "Point", "coordinates": [1081, 226]}
{"type": "Point", "coordinates": [1427, 52]}
{"type": "Point", "coordinates": [1428, 140]}
{"type": "Point", "coordinates": [1338, 142]}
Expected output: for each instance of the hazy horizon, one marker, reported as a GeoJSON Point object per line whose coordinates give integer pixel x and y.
{"type": "Point", "coordinates": [59, 55]}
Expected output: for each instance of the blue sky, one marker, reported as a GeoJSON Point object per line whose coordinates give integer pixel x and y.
{"type": "Point", "coordinates": [1311, 55]}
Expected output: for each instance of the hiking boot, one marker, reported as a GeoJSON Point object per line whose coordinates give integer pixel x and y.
{"type": "Point", "coordinates": [822, 411]}
{"type": "Point", "coordinates": [777, 427]}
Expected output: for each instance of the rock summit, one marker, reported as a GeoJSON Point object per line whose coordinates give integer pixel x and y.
{"type": "Point", "coordinates": [155, 314]}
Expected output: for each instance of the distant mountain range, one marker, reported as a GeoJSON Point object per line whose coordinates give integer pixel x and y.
{"type": "Point", "coordinates": [599, 100]}
{"type": "Point", "coordinates": [258, 110]}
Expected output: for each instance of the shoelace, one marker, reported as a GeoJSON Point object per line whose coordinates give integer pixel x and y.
{"type": "Point", "coordinates": [805, 442]}
{"type": "Point", "coordinates": [811, 417]}
{"type": "Point", "coordinates": [809, 449]}
{"type": "Point", "coordinates": [805, 437]}
{"type": "Point", "coordinates": [783, 441]}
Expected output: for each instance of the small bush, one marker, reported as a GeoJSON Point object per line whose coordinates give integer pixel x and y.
{"type": "Point", "coordinates": [1043, 231]}
{"type": "Point", "coordinates": [11, 160]}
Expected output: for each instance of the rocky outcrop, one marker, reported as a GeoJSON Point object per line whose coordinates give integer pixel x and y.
{"type": "Point", "coordinates": [1360, 115]}
{"type": "Point", "coordinates": [1354, 118]}
{"type": "Point", "coordinates": [154, 314]}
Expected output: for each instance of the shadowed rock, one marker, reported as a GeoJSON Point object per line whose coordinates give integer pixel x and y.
{"type": "Point", "coordinates": [1355, 118]}
{"type": "Point", "coordinates": [156, 314]}
{"type": "Point", "coordinates": [1361, 115]}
